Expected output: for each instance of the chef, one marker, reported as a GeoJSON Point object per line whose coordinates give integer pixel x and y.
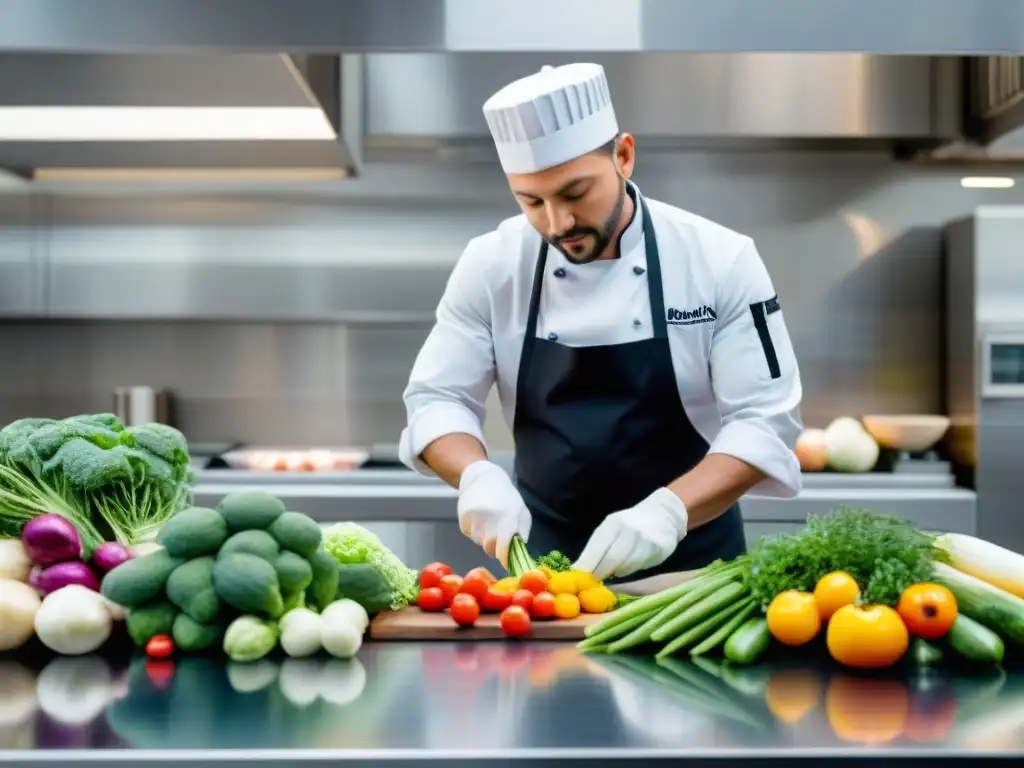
{"type": "Point", "coordinates": [639, 353]}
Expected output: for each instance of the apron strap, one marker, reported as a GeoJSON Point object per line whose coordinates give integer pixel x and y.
{"type": "Point", "coordinates": [654, 284]}
{"type": "Point", "coordinates": [655, 289]}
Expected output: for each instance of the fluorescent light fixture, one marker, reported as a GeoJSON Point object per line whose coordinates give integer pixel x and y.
{"type": "Point", "coordinates": [987, 182]}
{"type": "Point", "coordinates": [164, 124]}
{"type": "Point", "coordinates": [189, 174]}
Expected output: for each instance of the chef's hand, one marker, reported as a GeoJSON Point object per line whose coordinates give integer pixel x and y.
{"type": "Point", "coordinates": [637, 538]}
{"type": "Point", "coordinates": [491, 510]}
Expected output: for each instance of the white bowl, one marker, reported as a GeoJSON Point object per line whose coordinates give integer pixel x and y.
{"type": "Point", "coordinates": [906, 433]}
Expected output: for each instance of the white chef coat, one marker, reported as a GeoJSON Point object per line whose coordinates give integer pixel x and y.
{"type": "Point", "coordinates": [721, 367]}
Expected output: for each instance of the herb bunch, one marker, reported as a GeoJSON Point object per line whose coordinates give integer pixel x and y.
{"type": "Point", "coordinates": [883, 553]}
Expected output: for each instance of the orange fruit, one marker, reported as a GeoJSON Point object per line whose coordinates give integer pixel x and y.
{"type": "Point", "coordinates": [868, 637]}
{"type": "Point", "coordinates": [833, 591]}
{"type": "Point", "coordinates": [793, 617]}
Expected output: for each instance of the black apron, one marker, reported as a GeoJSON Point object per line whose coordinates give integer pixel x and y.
{"type": "Point", "coordinates": [598, 429]}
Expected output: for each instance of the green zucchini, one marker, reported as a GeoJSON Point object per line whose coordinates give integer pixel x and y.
{"type": "Point", "coordinates": [975, 642]}
{"type": "Point", "coordinates": [995, 608]}
{"type": "Point", "coordinates": [749, 642]}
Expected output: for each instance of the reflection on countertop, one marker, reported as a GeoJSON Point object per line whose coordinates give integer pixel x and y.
{"type": "Point", "coordinates": [442, 701]}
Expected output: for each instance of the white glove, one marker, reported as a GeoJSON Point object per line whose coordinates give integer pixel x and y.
{"type": "Point", "coordinates": [637, 538]}
{"type": "Point", "coordinates": [491, 510]}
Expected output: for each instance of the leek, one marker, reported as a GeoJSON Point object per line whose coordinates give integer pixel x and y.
{"type": "Point", "coordinates": [986, 561]}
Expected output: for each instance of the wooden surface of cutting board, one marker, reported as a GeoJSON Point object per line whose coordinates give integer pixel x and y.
{"type": "Point", "coordinates": [413, 624]}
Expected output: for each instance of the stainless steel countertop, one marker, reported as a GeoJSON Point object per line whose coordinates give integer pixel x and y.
{"type": "Point", "coordinates": [475, 703]}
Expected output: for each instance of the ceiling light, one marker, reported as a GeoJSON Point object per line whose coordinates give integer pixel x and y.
{"type": "Point", "coordinates": [189, 174]}
{"type": "Point", "coordinates": [986, 182]}
{"type": "Point", "coordinates": [31, 124]}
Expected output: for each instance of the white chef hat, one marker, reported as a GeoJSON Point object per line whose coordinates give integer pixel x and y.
{"type": "Point", "coordinates": [551, 117]}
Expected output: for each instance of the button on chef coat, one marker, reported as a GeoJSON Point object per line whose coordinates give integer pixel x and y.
{"type": "Point", "coordinates": [735, 369]}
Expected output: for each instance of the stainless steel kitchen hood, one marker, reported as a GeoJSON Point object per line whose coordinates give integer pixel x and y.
{"type": "Point", "coordinates": [432, 102]}
{"type": "Point", "coordinates": [929, 27]}
{"type": "Point", "coordinates": [68, 114]}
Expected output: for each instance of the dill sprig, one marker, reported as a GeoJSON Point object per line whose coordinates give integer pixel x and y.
{"type": "Point", "coordinates": [883, 553]}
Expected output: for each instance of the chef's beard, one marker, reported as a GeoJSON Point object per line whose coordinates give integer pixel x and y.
{"type": "Point", "coordinates": [600, 238]}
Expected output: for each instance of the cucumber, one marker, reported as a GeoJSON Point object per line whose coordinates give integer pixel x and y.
{"type": "Point", "coordinates": [975, 642]}
{"type": "Point", "coordinates": [193, 532]}
{"type": "Point", "coordinates": [749, 642]}
{"type": "Point", "coordinates": [136, 582]}
{"type": "Point", "coordinates": [250, 510]}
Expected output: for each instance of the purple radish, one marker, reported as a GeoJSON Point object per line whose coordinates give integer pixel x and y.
{"type": "Point", "coordinates": [50, 539]}
{"type": "Point", "coordinates": [110, 555]}
{"type": "Point", "coordinates": [47, 580]}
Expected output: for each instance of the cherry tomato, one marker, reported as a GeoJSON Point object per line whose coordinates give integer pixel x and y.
{"type": "Point", "coordinates": [159, 647]}
{"type": "Point", "coordinates": [432, 574]}
{"type": "Point", "coordinates": [496, 601]}
{"type": "Point", "coordinates": [524, 599]}
{"type": "Point", "coordinates": [484, 574]}
{"type": "Point", "coordinates": [465, 610]}
{"type": "Point", "coordinates": [450, 585]}
{"type": "Point", "coordinates": [431, 599]}
{"type": "Point", "coordinates": [543, 606]}
{"type": "Point", "coordinates": [515, 621]}
{"type": "Point", "coordinates": [534, 581]}
{"type": "Point", "coordinates": [476, 586]}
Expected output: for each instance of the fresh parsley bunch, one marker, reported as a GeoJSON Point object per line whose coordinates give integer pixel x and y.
{"type": "Point", "coordinates": [883, 553]}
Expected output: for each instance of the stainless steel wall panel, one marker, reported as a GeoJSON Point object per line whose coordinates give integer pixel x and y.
{"type": "Point", "coordinates": [670, 95]}
{"type": "Point", "coordinates": [270, 384]}
{"type": "Point", "coordinates": [21, 263]}
{"type": "Point", "coordinates": [910, 26]}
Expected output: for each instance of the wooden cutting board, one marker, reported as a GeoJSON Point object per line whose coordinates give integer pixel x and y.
{"type": "Point", "coordinates": [413, 624]}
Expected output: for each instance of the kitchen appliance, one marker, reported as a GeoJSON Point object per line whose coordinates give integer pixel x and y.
{"type": "Point", "coordinates": [984, 373]}
{"type": "Point", "coordinates": [137, 405]}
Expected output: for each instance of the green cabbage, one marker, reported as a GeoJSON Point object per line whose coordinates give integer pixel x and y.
{"type": "Point", "coordinates": [351, 544]}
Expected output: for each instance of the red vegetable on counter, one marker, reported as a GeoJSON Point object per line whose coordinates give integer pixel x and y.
{"type": "Point", "coordinates": [47, 580]}
{"type": "Point", "coordinates": [159, 647]}
{"type": "Point", "coordinates": [50, 539]}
